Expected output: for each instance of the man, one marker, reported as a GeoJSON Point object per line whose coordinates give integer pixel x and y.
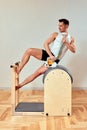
{"type": "Point", "coordinates": [62, 42]}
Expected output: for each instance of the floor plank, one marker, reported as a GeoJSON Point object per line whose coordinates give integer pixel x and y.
{"type": "Point", "coordinates": [78, 120]}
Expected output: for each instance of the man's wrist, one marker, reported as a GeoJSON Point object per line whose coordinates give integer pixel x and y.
{"type": "Point", "coordinates": [66, 43]}
{"type": "Point", "coordinates": [50, 55]}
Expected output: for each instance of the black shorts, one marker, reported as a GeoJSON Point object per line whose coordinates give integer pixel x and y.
{"type": "Point", "coordinates": [45, 56]}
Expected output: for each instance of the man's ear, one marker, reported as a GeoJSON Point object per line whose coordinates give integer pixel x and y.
{"type": "Point", "coordinates": [67, 26]}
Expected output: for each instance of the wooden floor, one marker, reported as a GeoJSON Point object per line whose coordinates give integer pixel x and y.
{"type": "Point", "coordinates": [78, 120]}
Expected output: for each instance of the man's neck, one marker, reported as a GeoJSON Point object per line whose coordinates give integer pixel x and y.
{"type": "Point", "coordinates": [64, 32]}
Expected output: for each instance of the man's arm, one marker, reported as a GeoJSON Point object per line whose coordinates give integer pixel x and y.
{"type": "Point", "coordinates": [71, 46]}
{"type": "Point", "coordinates": [48, 42]}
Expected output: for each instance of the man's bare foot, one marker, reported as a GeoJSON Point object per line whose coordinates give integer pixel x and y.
{"type": "Point", "coordinates": [17, 68]}
{"type": "Point", "coordinates": [18, 87]}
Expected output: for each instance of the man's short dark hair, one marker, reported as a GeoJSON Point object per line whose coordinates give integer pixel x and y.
{"type": "Point", "coordinates": [65, 21]}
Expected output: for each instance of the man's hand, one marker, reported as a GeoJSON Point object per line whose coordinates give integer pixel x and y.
{"type": "Point", "coordinates": [71, 46]}
{"type": "Point", "coordinates": [53, 58]}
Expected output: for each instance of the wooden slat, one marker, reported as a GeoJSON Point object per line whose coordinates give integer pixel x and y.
{"type": "Point", "coordinates": [13, 102]}
{"type": "Point", "coordinates": [14, 93]}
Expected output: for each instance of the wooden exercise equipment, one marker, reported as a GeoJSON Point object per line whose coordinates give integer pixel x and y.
{"type": "Point", "coordinates": [57, 94]}
{"type": "Point", "coordinates": [57, 91]}
{"type": "Point", "coordinates": [14, 93]}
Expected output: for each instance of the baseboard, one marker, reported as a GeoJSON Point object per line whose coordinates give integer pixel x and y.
{"type": "Point", "coordinates": [79, 88]}
{"type": "Point", "coordinates": [33, 88]}
{"type": "Point", "coordinates": [5, 88]}
{"type": "Point", "coordinates": [41, 88]}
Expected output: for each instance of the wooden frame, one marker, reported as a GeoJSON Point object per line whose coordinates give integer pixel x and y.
{"type": "Point", "coordinates": [57, 93]}
{"type": "Point", "coordinates": [15, 93]}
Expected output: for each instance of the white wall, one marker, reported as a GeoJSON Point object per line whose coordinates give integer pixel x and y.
{"type": "Point", "coordinates": [27, 23]}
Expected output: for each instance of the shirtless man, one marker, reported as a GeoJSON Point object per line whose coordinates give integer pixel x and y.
{"type": "Point", "coordinates": [62, 42]}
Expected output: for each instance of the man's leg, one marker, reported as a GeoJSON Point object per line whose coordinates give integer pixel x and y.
{"type": "Point", "coordinates": [37, 53]}
{"type": "Point", "coordinates": [29, 79]}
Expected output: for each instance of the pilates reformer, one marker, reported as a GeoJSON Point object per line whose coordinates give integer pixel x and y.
{"type": "Point", "coordinates": [57, 94]}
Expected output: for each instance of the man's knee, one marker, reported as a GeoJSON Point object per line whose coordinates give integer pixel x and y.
{"type": "Point", "coordinates": [29, 51]}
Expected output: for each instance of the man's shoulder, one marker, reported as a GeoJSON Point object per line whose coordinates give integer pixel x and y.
{"type": "Point", "coordinates": [54, 34]}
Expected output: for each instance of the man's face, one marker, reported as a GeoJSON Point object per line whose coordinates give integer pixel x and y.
{"type": "Point", "coordinates": [62, 27]}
